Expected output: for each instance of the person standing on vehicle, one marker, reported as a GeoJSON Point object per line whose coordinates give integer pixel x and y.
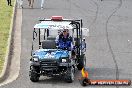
{"type": "Point", "coordinates": [64, 40]}
{"type": "Point", "coordinates": [42, 3]}
{"type": "Point", "coordinates": [9, 2]}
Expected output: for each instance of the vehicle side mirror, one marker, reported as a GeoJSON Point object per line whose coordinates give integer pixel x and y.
{"type": "Point", "coordinates": [85, 32]}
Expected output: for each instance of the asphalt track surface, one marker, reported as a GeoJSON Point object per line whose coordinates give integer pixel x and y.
{"type": "Point", "coordinates": [109, 46]}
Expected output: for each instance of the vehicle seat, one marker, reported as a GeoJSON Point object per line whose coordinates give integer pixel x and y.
{"type": "Point", "coordinates": [48, 44]}
{"type": "Point", "coordinates": [51, 38]}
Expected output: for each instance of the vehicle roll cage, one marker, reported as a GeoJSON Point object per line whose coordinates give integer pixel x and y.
{"type": "Point", "coordinates": [77, 24]}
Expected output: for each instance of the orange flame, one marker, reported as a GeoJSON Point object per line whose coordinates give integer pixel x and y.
{"type": "Point", "coordinates": [84, 73]}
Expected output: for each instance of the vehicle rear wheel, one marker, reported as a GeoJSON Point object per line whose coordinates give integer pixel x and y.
{"type": "Point", "coordinates": [70, 75]}
{"type": "Point", "coordinates": [82, 63]}
{"type": "Point", "coordinates": [34, 76]}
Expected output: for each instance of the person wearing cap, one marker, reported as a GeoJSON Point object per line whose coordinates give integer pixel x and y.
{"type": "Point", "coordinates": [64, 40]}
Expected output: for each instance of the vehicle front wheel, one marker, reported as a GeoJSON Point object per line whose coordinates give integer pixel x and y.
{"type": "Point", "coordinates": [34, 76]}
{"type": "Point", "coordinates": [70, 75]}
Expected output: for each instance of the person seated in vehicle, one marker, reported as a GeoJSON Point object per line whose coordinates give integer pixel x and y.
{"type": "Point", "coordinates": [64, 40]}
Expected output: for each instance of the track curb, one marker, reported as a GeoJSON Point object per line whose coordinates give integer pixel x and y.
{"type": "Point", "coordinates": [7, 61]}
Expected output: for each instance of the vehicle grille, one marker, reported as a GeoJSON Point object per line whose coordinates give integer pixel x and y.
{"type": "Point", "coordinates": [49, 64]}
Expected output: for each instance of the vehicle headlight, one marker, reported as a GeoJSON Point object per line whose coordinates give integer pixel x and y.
{"type": "Point", "coordinates": [63, 60]}
{"type": "Point", "coordinates": [35, 59]}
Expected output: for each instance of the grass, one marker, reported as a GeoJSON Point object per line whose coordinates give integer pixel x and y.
{"type": "Point", "coordinates": [5, 21]}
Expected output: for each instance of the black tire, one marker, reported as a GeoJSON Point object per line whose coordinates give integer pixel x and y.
{"type": "Point", "coordinates": [82, 63]}
{"type": "Point", "coordinates": [70, 75]}
{"type": "Point", "coordinates": [34, 76]}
